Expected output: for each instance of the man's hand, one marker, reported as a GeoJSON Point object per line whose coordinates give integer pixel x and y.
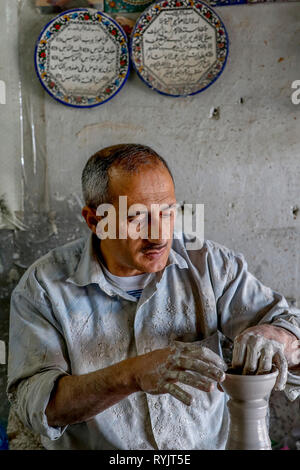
{"type": "Point", "coordinates": [257, 349]}
{"type": "Point", "coordinates": [77, 398]}
{"type": "Point", "coordinates": [188, 363]}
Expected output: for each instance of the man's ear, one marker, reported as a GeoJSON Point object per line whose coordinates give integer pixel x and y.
{"type": "Point", "coordinates": [89, 215]}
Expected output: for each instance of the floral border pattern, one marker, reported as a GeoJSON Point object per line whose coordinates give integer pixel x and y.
{"type": "Point", "coordinates": [136, 46]}
{"type": "Point", "coordinates": [43, 45]}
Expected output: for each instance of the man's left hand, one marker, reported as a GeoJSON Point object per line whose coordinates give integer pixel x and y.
{"type": "Point", "coordinates": [258, 348]}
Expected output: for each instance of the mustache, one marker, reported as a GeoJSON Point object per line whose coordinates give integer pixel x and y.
{"type": "Point", "coordinates": [154, 246]}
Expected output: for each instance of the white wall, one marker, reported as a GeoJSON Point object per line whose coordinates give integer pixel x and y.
{"type": "Point", "coordinates": [10, 148]}
{"type": "Point", "coordinates": [244, 167]}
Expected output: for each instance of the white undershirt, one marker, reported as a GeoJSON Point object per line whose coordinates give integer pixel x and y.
{"type": "Point", "coordinates": [131, 284]}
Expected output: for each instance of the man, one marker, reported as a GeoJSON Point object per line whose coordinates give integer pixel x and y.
{"type": "Point", "coordinates": [116, 343]}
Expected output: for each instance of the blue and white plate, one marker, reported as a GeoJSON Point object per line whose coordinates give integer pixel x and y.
{"type": "Point", "coordinates": [179, 47]}
{"type": "Point", "coordinates": [82, 58]}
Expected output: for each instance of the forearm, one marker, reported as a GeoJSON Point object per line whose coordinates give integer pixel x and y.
{"type": "Point", "coordinates": [79, 398]}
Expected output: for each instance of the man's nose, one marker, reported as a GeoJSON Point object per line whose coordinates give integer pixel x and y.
{"type": "Point", "coordinates": [159, 230]}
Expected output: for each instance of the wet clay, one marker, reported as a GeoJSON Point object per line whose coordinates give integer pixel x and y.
{"type": "Point", "coordinates": [248, 406]}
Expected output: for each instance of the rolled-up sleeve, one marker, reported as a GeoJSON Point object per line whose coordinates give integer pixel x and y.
{"type": "Point", "coordinates": [246, 302]}
{"type": "Point", "coordinates": [37, 358]}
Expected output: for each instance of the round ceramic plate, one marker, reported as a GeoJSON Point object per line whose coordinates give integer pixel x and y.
{"type": "Point", "coordinates": [82, 58]}
{"type": "Point", "coordinates": [179, 47]}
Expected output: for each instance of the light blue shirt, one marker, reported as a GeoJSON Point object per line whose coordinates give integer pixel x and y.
{"type": "Point", "coordinates": [67, 318]}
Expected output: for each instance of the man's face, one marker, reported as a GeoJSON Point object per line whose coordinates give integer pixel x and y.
{"type": "Point", "coordinates": [151, 185]}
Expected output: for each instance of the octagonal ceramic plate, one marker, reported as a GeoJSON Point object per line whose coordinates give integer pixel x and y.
{"type": "Point", "coordinates": [179, 47]}
{"type": "Point", "coordinates": [82, 58]}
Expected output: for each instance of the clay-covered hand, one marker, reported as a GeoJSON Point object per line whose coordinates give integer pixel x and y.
{"type": "Point", "coordinates": [187, 363]}
{"type": "Point", "coordinates": [256, 354]}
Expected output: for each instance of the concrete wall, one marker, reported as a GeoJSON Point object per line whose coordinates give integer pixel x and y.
{"type": "Point", "coordinates": [244, 167]}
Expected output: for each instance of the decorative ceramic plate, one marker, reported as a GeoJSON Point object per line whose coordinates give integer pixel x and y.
{"type": "Point", "coordinates": [179, 47]}
{"type": "Point", "coordinates": [82, 58]}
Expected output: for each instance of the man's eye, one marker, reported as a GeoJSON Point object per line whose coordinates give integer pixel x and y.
{"type": "Point", "coordinates": [133, 220]}
{"type": "Point", "coordinates": [137, 219]}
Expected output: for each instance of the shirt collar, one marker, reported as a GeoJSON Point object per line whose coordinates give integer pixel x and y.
{"type": "Point", "coordinates": [89, 271]}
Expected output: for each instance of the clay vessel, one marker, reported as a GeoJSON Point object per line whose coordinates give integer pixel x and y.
{"type": "Point", "coordinates": [248, 406]}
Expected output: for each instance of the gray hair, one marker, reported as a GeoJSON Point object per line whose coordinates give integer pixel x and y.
{"type": "Point", "coordinates": [130, 157]}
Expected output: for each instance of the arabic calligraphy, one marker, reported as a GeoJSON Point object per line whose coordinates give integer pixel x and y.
{"type": "Point", "coordinates": [83, 58]}
{"type": "Point", "coordinates": [179, 47]}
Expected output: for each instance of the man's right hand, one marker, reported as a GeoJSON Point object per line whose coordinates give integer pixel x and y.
{"type": "Point", "coordinates": [188, 363]}
{"type": "Point", "coordinates": [77, 398]}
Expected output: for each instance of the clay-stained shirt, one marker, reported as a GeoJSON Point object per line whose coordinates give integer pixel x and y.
{"type": "Point", "coordinates": [66, 318]}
